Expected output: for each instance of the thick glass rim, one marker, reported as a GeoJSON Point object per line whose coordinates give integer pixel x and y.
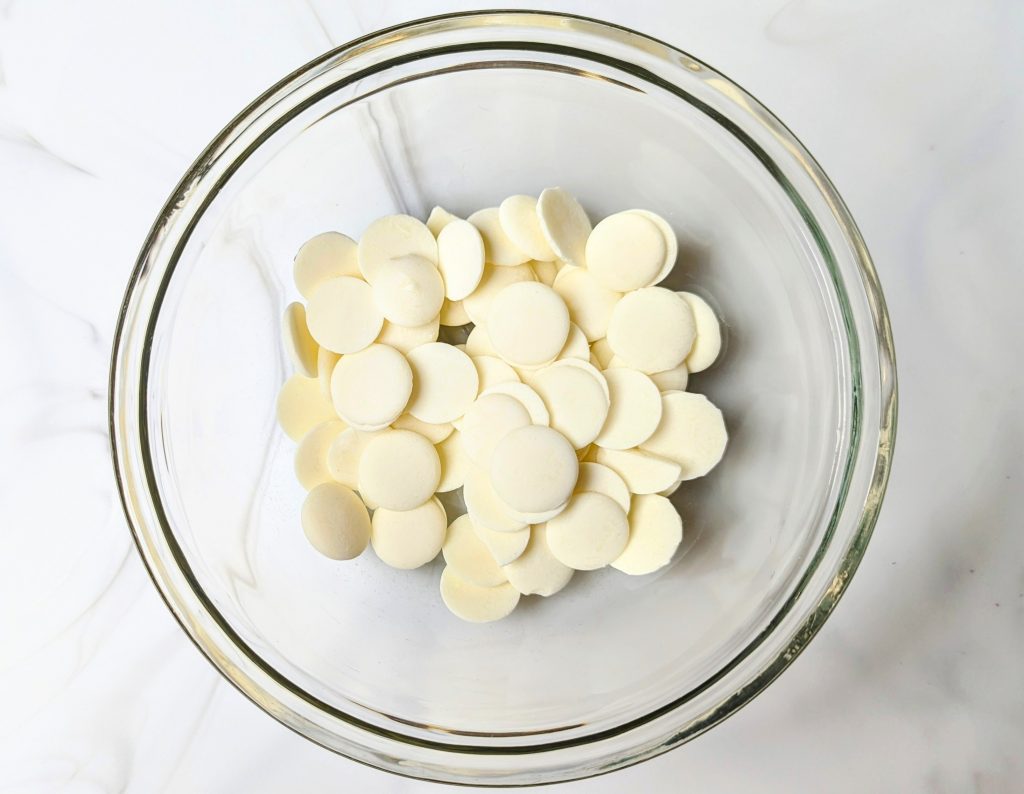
{"type": "Point", "coordinates": [210, 631]}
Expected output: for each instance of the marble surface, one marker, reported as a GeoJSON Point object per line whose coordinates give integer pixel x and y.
{"type": "Point", "coordinates": [916, 110]}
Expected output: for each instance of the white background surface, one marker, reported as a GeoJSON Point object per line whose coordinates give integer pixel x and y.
{"type": "Point", "coordinates": [916, 110]}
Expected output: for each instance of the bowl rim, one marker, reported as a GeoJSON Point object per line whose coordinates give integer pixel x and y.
{"type": "Point", "coordinates": [816, 614]}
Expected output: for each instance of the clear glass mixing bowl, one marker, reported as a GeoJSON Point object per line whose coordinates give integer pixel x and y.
{"type": "Point", "coordinates": [463, 110]}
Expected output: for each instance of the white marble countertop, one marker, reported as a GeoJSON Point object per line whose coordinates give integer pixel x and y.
{"type": "Point", "coordinates": [915, 109]}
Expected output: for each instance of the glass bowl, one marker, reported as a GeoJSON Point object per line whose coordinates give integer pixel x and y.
{"type": "Point", "coordinates": [461, 111]}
